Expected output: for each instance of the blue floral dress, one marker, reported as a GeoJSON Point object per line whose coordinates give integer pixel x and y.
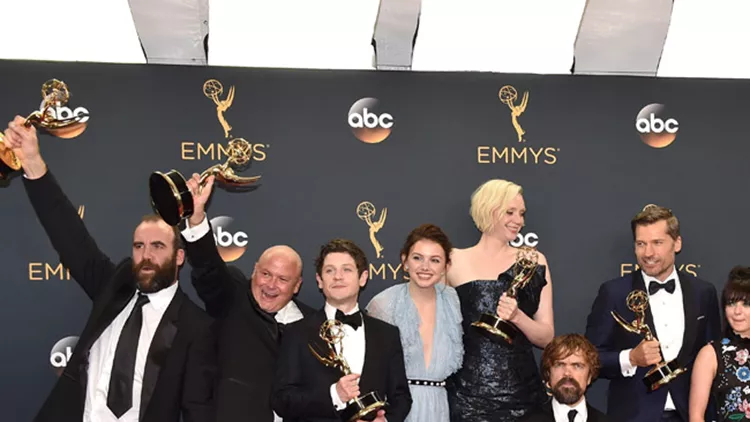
{"type": "Point", "coordinates": [731, 386]}
{"type": "Point", "coordinates": [395, 306]}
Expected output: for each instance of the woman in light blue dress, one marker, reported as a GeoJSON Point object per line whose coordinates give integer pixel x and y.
{"type": "Point", "coordinates": [428, 315]}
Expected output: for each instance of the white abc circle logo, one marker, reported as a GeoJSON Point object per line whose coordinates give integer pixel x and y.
{"type": "Point", "coordinates": [64, 113]}
{"type": "Point", "coordinates": [62, 351]}
{"type": "Point", "coordinates": [529, 239]}
{"type": "Point", "coordinates": [231, 245]}
{"type": "Point", "coordinates": [655, 127]}
{"type": "Point", "coordinates": [368, 124]}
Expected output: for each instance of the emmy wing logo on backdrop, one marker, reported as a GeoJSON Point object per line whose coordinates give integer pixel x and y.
{"type": "Point", "coordinates": [508, 95]}
{"type": "Point", "coordinates": [515, 153]}
{"type": "Point", "coordinates": [367, 121]}
{"type": "Point", "coordinates": [366, 212]}
{"type": "Point", "coordinates": [655, 126]}
{"type": "Point", "coordinates": [44, 271]}
{"type": "Point", "coordinates": [213, 89]}
{"type": "Point", "coordinates": [61, 353]}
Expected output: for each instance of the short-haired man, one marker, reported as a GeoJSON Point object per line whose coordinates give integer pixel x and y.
{"type": "Point", "coordinates": [305, 389]}
{"type": "Point", "coordinates": [682, 313]}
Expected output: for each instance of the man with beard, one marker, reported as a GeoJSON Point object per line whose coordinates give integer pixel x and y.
{"type": "Point", "coordinates": [250, 321]}
{"type": "Point", "coordinates": [682, 314]}
{"type": "Point", "coordinates": [570, 363]}
{"type": "Point", "coordinates": [147, 351]}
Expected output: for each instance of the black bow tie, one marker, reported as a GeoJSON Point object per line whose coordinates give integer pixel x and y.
{"type": "Point", "coordinates": [654, 287]}
{"type": "Point", "coordinates": [354, 320]}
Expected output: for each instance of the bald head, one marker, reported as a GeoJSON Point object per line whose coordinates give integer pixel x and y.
{"type": "Point", "coordinates": [283, 252]}
{"type": "Point", "coordinates": [277, 277]}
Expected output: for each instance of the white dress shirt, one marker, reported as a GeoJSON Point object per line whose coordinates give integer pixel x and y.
{"type": "Point", "coordinates": [669, 325]}
{"type": "Point", "coordinates": [354, 350]}
{"type": "Point", "coordinates": [561, 411]}
{"type": "Point", "coordinates": [102, 356]}
{"type": "Point", "coordinates": [286, 315]}
{"type": "Point", "coordinates": [192, 234]}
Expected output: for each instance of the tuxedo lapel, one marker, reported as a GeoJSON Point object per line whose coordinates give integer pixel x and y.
{"type": "Point", "coordinates": [123, 294]}
{"type": "Point", "coordinates": [547, 409]}
{"type": "Point", "coordinates": [268, 329]}
{"type": "Point", "coordinates": [371, 336]}
{"type": "Point", "coordinates": [593, 414]}
{"type": "Point", "coordinates": [640, 284]}
{"type": "Point", "coordinates": [690, 308]}
{"type": "Point", "coordinates": [159, 348]}
{"type": "Point", "coordinates": [315, 342]}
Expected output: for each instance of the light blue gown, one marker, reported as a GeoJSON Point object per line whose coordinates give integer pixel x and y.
{"type": "Point", "coordinates": [395, 306]}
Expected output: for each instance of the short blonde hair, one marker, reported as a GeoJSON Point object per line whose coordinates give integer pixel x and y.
{"type": "Point", "coordinates": [492, 196]}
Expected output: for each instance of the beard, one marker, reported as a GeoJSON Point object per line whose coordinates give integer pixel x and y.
{"type": "Point", "coordinates": [162, 277]}
{"type": "Point", "coordinates": [567, 391]}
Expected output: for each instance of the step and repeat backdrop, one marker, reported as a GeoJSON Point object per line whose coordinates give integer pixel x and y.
{"type": "Point", "coordinates": [369, 156]}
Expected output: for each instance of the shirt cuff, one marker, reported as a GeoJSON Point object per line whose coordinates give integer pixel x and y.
{"type": "Point", "coordinates": [337, 403]}
{"type": "Point", "coordinates": [191, 234]}
{"type": "Point", "coordinates": [626, 368]}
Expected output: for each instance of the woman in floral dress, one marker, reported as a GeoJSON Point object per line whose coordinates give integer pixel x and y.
{"type": "Point", "coordinates": [722, 369]}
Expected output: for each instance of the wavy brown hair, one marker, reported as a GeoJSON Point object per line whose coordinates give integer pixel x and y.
{"type": "Point", "coordinates": [563, 346]}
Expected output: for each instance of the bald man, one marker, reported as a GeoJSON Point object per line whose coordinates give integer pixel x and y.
{"type": "Point", "coordinates": [251, 321]}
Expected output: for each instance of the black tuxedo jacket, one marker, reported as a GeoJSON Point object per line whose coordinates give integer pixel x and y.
{"type": "Point", "coordinates": [545, 414]}
{"type": "Point", "coordinates": [302, 387]}
{"type": "Point", "coordinates": [627, 398]}
{"type": "Point", "coordinates": [181, 366]}
{"type": "Point", "coordinates": [248, 337]}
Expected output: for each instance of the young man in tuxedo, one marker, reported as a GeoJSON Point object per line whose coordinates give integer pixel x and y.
{"type": "Point", "coordinates": [250, 321]}
{"type": "Point", "coordinates": [682, 313]}
{"type": "Point", "coordinates": [307, 390]}
{"type": "Point", "coordinates": [147, 351]}
{"type": "Point", "coordinates": [570, 363]}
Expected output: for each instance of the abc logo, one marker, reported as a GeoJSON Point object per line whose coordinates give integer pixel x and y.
{"type": "Point", "coordinates": [231, 244]}
{"type": "Point", "coordinates": [656, 128]}
{"type": "Point", "coordinates": [367, 121]}
{"type": "Point", "coordinates": [64, 113]}
{"type": "Point", "coordinates": [529, 239]}
{"type": "Point", "coordinates": [61, 353]}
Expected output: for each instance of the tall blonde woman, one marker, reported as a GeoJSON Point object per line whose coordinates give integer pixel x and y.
{"type": "Point", "coordinates": [498, 381]}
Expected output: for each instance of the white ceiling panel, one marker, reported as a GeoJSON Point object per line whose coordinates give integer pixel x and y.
{"type": "Point", "coordinates": [322, 34]}
{"type": "Point", "coordinates": [74, 30]}
{"type": "Point", "coordinates": [530, 36]}
{"type": "Point", "coordinates": [707, 39]}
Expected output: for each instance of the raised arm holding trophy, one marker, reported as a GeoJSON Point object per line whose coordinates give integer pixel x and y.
{"type": "Point", "coordinates": [171, 197]}
{"type": "Point", "coordinates": [55, 94]}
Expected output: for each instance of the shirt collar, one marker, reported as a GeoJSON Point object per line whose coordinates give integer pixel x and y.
{"type": "Point", "coordinates": [288, 313]}
{"type": "Point", "coordinates": [331, 311]}
{"type": "Point", "coordinates": [161, 299]}
{"type": "Point", "coordinates": [647, 279]}
{"type": "Point", "coordinates": [561, 410]}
